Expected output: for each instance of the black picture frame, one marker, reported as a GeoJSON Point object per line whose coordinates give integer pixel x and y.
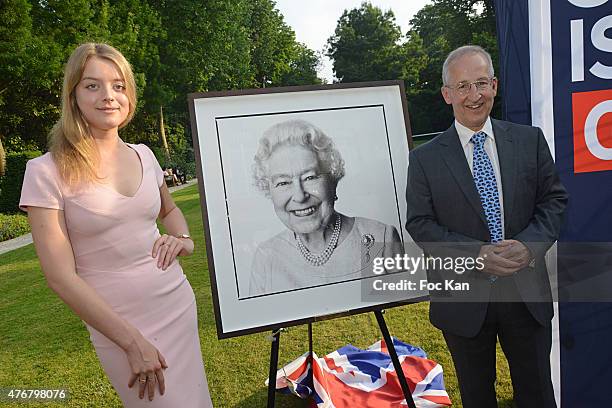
{"type": "Point", "coordinates": [218, 156]}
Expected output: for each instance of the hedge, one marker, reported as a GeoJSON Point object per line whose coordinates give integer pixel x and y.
{"type": "Point", "coordinates": [10, 183]}
{"type": "Point", "coordinates": [13, 226]}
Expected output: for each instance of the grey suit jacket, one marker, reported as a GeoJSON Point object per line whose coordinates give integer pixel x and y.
{"type": "Point", "coordinates": [445, 217]}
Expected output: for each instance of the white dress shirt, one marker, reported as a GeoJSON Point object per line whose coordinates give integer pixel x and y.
{"type": "Point", "coordinates": [465, 134]}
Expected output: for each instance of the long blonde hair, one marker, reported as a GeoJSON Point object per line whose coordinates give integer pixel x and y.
{"type": "Point", "coordinates": [71, 144]}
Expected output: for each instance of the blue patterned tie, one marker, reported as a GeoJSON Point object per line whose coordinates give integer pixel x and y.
{"type": "Point", "coordinates": [484, 178]}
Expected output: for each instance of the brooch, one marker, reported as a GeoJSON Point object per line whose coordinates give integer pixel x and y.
{"type": "Point", "coordinates": [367, 241]}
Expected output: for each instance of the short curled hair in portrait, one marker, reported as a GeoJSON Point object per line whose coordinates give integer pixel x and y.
{"type": "Point", "coordinates": [296, 133]}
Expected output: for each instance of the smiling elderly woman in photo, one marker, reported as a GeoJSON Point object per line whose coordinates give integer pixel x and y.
{"type": "Point", "coordinates": [298, 167]}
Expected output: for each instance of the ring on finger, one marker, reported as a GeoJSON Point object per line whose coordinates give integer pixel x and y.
{"type": "Point", "coordinates": [142, 380]}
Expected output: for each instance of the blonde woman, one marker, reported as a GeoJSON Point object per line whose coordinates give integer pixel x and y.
{"type": "Point", "coordinates": [92, 202]}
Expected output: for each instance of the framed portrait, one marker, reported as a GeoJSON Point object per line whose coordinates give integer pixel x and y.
{"type": "Point", "coordinates": [301, 188]}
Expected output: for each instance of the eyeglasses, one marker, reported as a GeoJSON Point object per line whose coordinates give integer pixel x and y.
{"type": "Point", "coordinates": [464, 88]}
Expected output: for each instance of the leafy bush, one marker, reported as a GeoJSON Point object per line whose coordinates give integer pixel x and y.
{"type": "Point", "coordinates": [13, 226]}
{"type": "Point", "coordinates": [10, 183]}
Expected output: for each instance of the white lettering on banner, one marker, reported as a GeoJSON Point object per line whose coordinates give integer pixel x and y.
{"type": "Point", "coordinates": [590, 131]}
{"type": "Point", "coordinates": [598, 34]}
{"type": "Point", "coordinates": [587, 3]}
{"type": "Point", "coordinates": [577, 38]}
{"type": "Point", "coordinates": [603, 43]}
{"type": "Point", "coordinates": [598, 39]}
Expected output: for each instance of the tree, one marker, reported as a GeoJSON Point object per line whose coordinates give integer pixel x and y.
{"type": "Point", "coordinates": [29, 70]}
{"type": "Point", "coordinates": [302, 67]}
{"type": "Point", "coordinates": [222, 44]}
{"type": "Point", "coordinates": [273, 45]}
{"type": "Point", "coordinates": [205, 48]}
{"type": "Point", "coordinates": [175, 47]}
{"type": "Point", "coordinates": [36, 42]}
{"type": "Point", "coordinates": [442, 27]}
{"type": "Point", "coordinates": [366, 46]}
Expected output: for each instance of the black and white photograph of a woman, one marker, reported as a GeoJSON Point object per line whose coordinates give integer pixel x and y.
{"type": "Point", "coordinates": [298, 167]}
{"type": "Point", "coordinates": [302, 190]}
{"type": "Point", "coordinates": [308, 194]}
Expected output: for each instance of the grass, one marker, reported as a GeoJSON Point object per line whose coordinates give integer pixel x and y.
{"type": "Point", "coordinates": [44, 345]}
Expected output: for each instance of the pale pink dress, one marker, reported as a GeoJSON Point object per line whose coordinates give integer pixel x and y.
{"type": "Point", "coordinates": [112, 237]}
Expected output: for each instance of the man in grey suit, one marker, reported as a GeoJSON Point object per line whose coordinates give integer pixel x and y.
{"type": "Point", "coordinates": [488, 188]}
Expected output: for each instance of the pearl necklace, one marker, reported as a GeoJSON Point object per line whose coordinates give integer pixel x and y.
{"type": "Point", "coordinates": [322, 258]}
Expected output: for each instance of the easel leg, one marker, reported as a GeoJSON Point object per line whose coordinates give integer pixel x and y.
{"type": "Point", "coordinates": [396, 363]}
{"type": "Point", "coordinates": [310, 357]}
{"type": "Point", "coordinates": [273, 368]}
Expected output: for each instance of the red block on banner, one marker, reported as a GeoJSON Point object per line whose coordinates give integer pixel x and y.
{"type": "Point", "coordinates": [592, 113]}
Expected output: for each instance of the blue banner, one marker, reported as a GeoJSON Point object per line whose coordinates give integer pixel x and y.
{"type": "Point", "coordinates": [569, 45]}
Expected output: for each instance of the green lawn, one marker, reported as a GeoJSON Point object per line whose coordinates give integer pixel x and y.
{"type": "Point", "coordinates": [44, 345]}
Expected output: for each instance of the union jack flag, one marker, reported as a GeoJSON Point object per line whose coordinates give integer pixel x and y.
{"type": "Point", "coordinates": [350, 377]}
